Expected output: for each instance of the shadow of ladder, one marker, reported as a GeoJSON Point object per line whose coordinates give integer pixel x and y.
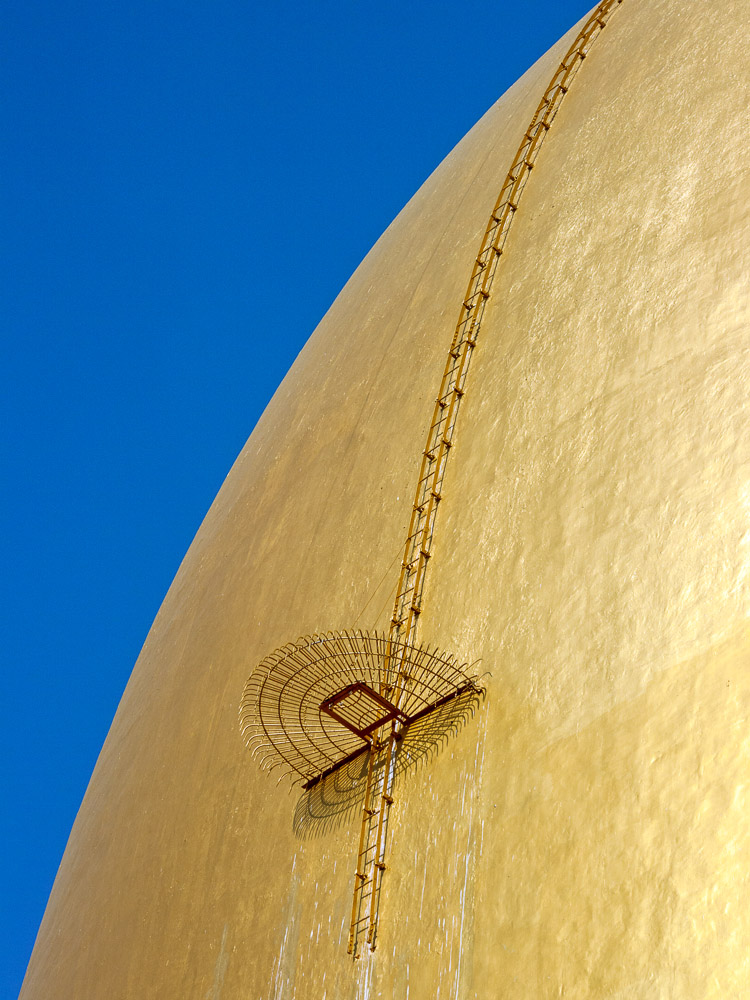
{"type": "Point", "coordinates": [372, 839]}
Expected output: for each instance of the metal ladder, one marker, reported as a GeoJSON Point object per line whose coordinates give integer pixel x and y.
{"type": "Point", "coordinates": [429, 493]}
{"type": "Point", "coordinates": [381, 759]}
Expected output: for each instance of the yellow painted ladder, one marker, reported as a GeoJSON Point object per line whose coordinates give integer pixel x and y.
{"type": "Point", "coordinates": [429, 493]}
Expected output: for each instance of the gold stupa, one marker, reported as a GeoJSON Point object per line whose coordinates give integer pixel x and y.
{"type": "Point", "coordinates": [574, 824]}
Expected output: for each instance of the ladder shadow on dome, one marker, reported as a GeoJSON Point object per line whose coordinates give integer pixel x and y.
{"type": "Point", "coordinates": [337, 798]}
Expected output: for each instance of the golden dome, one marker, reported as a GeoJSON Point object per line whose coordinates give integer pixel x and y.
{"type": "Point", "coordinates": [584, 833]}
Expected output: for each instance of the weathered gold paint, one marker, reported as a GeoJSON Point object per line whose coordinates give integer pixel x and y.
{"type": "Point", "coordinates": [587, 833]}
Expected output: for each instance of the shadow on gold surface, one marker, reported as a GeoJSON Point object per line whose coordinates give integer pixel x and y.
{"type": "Point", "coordinates": [338, 798]}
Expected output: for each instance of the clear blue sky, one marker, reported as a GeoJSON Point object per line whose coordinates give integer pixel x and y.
{"type": "Point", "coordinates": [185, 188]}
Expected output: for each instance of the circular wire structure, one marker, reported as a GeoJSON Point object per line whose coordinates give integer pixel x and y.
{"type": "Point", "coordinates": [314, 703]}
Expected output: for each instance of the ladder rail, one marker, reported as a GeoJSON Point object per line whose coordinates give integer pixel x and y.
{"type": "Point", "coordinates": [378, 862]}
{"type": "Point", "coordinates": [407, 607]}
{"type": "Point", "coordinates": [359, 875]}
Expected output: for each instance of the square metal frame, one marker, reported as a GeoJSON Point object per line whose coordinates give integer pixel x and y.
{"type": "Point", "coordinates": [391, 712]}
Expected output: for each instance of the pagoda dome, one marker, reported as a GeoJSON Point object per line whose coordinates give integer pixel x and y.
{"type": "Point", "coordinates": [579, 827]}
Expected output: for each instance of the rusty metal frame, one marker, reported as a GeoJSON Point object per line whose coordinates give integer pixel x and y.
{"type": "Point", "coordinates": [391, 712]}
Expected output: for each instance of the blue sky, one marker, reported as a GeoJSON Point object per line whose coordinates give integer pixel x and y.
{"type": "Point", "coordinates": [185, 188]}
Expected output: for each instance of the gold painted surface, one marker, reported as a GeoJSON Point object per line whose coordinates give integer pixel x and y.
{"type": "Point", "coordinates": [585, 834]}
